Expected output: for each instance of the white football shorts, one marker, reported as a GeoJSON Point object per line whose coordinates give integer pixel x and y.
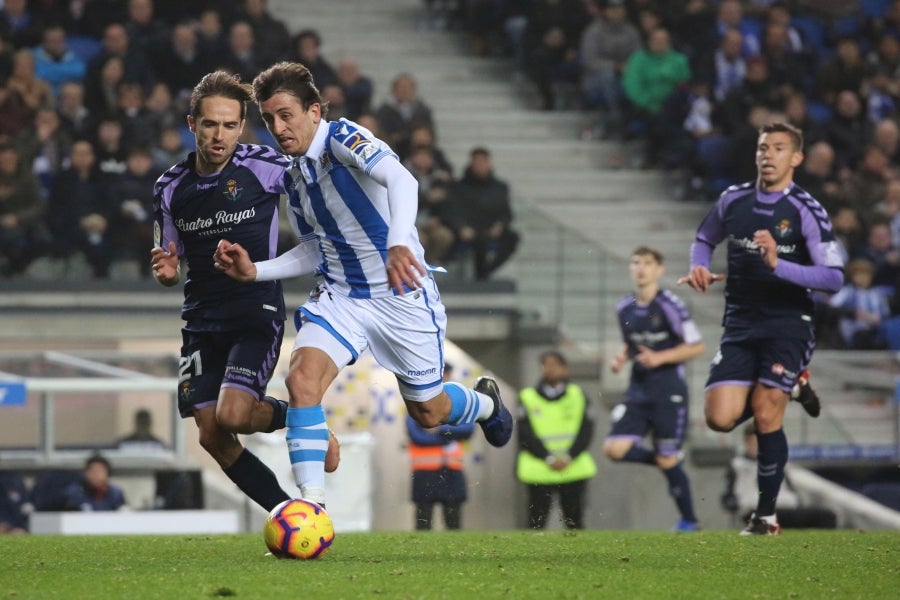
{"type": "Point", "coordinates": [404, 333]}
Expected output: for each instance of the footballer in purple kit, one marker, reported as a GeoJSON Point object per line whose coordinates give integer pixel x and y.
{"type": "Point", "coordinates": [231, 339]}
{"type": "Point", "coordinates": [780, 246]}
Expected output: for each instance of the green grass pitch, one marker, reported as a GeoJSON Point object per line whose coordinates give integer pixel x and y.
{"type": "Point", "coordinates": [470, 565]}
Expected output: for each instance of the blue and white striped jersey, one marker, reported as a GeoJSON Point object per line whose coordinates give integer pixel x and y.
{"type": "Point", "coordinates": [335, 199]}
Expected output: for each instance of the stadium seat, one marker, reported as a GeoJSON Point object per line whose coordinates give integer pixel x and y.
{"type": "Point", "coordinates": [874, 8]}
{"type": "Point", "coordinates": [811, 30]}
{"type": "Point", "coordinates": [820, 112]}
{"type": "Point", "coordinates": [84, 47]}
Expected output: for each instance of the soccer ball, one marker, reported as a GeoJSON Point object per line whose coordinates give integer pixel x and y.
{"type": "Point", "coordinates": [298, 529]}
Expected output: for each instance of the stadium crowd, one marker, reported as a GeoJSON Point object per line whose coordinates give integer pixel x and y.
{"type": "Point", "coordinates": [690, 81]}
{"type": "Point", "coordinates": [93, 100]}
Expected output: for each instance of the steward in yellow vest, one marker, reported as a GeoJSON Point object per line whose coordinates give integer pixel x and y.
{"type": "Point", "coordinates": [554, 435]}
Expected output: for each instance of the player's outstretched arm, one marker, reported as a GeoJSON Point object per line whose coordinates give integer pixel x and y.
{"type": "Point", "coordinates": [700, 278]}
{"type": "Point", "coordinates": [234, 261]}
{"type": "Point", "coordinates": [165, 264]}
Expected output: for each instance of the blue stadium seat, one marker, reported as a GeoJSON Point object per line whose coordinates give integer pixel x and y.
{"type": "Point", "coordinates": [820, 112]}
{"type": "Point", "coordinates": [84, 47]}
{"type": "Point", "coordinates": [812, 31]}
{"type": "Point", "coordinates": [874, 8]}
{"type": "Point", "coordinates": [187, 138]}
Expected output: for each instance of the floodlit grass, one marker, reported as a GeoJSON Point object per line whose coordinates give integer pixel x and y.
{"type": "Point", "coordinates": [470, 565]}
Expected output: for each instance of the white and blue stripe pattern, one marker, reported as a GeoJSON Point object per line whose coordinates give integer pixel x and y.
{"type": "Point", "coordinates": [307, 441]}
{"type": "Point", "coordinates": [349, 210]}
{"type": "Point", "coordinates": [465, 404]}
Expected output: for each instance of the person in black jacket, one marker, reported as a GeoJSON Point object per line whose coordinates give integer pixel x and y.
{"type": "Point", "coordinates": [482, 215]}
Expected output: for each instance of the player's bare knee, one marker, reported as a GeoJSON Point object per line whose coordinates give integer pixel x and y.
{"type": "Point", "coordinates": [232, 420]}
{"type": "Point", "coordinates": [666, 462]}
{"type": "Point", "coordinates": [615, 449]}
{"type": "Point", "coordinates": [304, 391]}
{"type": "Point", "coordinates": [719, 422]}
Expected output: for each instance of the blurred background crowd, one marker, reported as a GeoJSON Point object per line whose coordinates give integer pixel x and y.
{"type": "Point", "coordinates": [93, 98]}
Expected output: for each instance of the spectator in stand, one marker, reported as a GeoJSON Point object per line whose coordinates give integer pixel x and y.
{"type": "Point", "coordinates": [865, 188]}
{"type": "Point", "coordinates": [130, 203]}
{"type": "Point", "coordinates": [436, 237]}
{"type": "Point", "coordinates": [243, 57]}
{"type": "Point", "coordinates": [211, 38]}
{"type": "Point", "coordinates": [879, 249]}
{"type": "Point", "coordinates": [19, 25]}
{"type": "Point", "coordinates": [333, 94]}
{"type": "Point", "coordinates": [169, 148]}
{"type": "Point", "coordinates": [817, 175]}
{"type": "Point", "coordinates": [160, 111]}
{"type": "Point", "coordinates": [890, 208]}
{"type": "Point", "coordinates": [886, 138]}
{"type": "Point", "coordinates": [358, 88]}
{"type": "Point", "coordinates": [137, 122]}
{"type": "Point", "coordinates": [866, 309]}
{"type": "Point", "coordinates": [102, 97]}
{"type": "Point", "coordinates": [423, 136]}
{"type": "Point", "coordinates": [110, 147]}
{"type": "Point", "coordinates": [54, 62]}
{"type": "Point", "coordinates": [796, 109]}
{"type": "Point", "coordinates": [730, 15]}
{"type": "Point", "coordinates": [95, 491]}
{"type": "Point", "coordinates": [21, 213]}
{"type": "Point", "coordinates": [306, 49]}
{"type": "Point", "coordinates": [881, 96]}
{"type": "Point", "coordinates": [6, 58]}
{"type": "Point", "coordinates": [273, 40]}
{"type": "Point", "coordinates": [848, 228]}
{"type": "Point", "coordinates": [651, 77]}
{"type": "Point", "coordinates": [135, 64]}
{"type": "Point", "coordinates": [33, 92]}
{"type": "Point", "coordinates": [845, 70]}
{"type": "Point", "coordinates": [787, 66]}
{"type": "Point", "coordinates": [45, 146]}
{"type": "Point", "coordinates": [142, 438]}
{"type": "Point", "coordinates": [144, 29]}
{"type": "Point", "coordinates": [552, 37]}
{"type": "Point", "coordinates": [741, 492]}
{"type": "Point", "coordinates": [482, 214]}
{"type": "Point", "coordinates": [14, 504]}
{"type": "Point", "coordinates": [77, 214]}
{"type": "Point", "coordinates": [757, 89]}
{"type": "Point", "coordinates": [886, 56]}
{"type": "Point", "coordinates": [74, 116]}
{"type": "Point", "coordinates": [605, 45]}
{"type": "Point", "coordinates": [847, 131]}
{"type": "Point", "coordinates": [726, 67]}
{"type": "Point", "coordinates": [402, 110]}
{"type": "Point", "coordinates": [694, 32]}
{"type": "Point", "coordinates": [179, 63]}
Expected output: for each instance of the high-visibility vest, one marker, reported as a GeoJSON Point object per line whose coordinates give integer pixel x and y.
{"type": "Point", "coordinates": [432, 458]}
{"type": "Point", "coordinates": [556, 423]}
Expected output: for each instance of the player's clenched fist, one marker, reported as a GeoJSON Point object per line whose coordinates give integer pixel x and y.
{"type": "Point", "coordinates": [233, 260]}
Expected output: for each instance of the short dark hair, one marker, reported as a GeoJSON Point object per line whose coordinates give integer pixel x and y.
{"type": "Point", "coordinates": [554, 354]}
{"type": "Point", "coordinates": [291, 78]}
{"type": "Point", "coordinates": [96, 459]}
{"type": "Point", "coordinates": [648, 251]}
{"type": "Point", "coordinates": [781, 127]}
{"type": "Point", "coordinates": [221, 83]}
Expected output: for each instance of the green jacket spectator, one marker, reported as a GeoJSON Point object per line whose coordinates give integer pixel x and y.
{"type": "Point", "coordinates": [653, 73]}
